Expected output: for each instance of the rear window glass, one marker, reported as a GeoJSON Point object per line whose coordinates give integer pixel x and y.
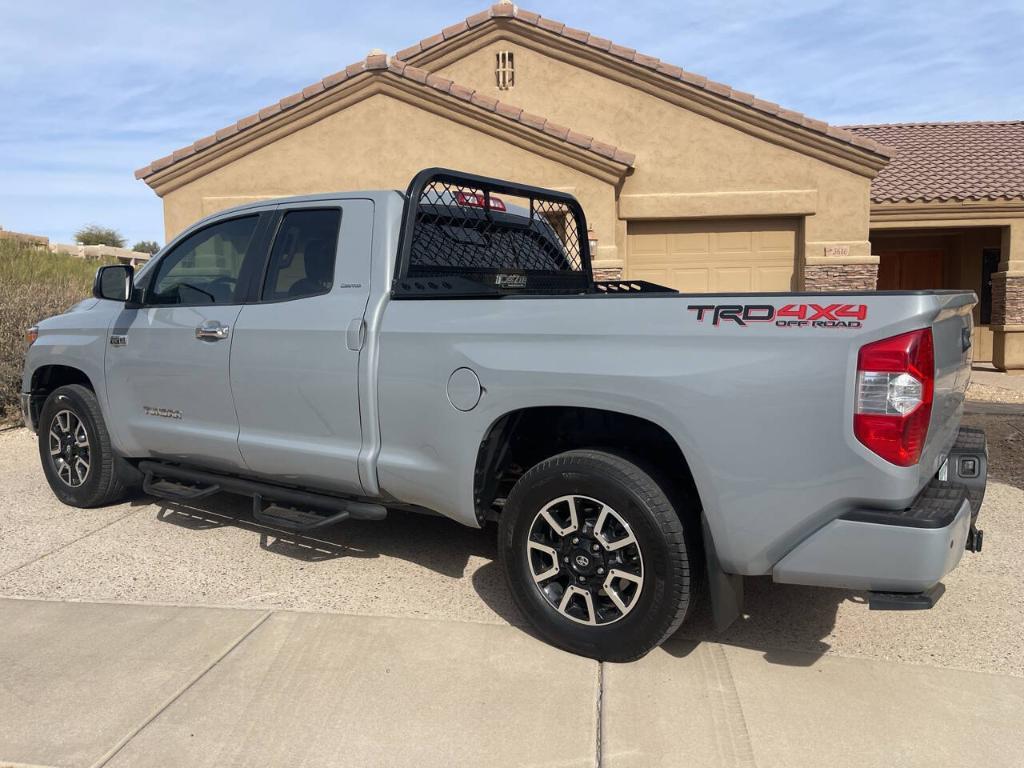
{"type": "Point", "coordinates": [302, 261]}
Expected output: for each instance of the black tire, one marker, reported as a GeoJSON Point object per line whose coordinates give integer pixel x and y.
{"type": "Point", "coordinates": [658, 607]}
{"type": "Point", "coordinates": [107, 480]}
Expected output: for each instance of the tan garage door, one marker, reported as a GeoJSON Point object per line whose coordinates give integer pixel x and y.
{"type": "Point", "coordinates": [714, 256]}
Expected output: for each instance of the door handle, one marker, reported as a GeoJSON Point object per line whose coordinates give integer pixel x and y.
{"type": "Point", "coordinates": [212, 330]}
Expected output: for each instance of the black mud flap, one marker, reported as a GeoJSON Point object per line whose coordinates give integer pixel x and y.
{"type": "Point", "coordinates": [726, 589]}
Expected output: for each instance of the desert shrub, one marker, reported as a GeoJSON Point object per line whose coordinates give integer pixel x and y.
{"type": "Point", "coordinates": [34, 284]}
{"type": "Point", "coordinates": [94, 234]}
{"type": "Point", "coordinates": [146, 246]}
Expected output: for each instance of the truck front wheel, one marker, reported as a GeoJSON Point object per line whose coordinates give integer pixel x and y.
{"type": "Point", "coordinates": [595, 555]}
{"type": "Point", "coordinates": [75, 449]}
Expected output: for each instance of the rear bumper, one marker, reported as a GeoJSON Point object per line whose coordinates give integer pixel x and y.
{"type": "Point", "coordinates": [898, 551]}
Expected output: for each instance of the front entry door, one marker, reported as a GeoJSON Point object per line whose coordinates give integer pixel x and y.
{"type": "Point", "coordinates": [911, 270]}
{"type": "Point", "coordinates": [295, 355]}
{"type": "Point", "coordinates": [167, 365]}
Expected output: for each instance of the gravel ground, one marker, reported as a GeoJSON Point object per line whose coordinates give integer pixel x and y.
{"type": "Point", "coordinates": [408, 565]}
{"type": "Point", "coordinates": [993, 393]}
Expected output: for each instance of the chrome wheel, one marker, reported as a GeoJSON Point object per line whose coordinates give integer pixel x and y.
{"type": "Point", "coordinates": [585, 560]}
{"type": "Point", "coordinates": [69, 448]}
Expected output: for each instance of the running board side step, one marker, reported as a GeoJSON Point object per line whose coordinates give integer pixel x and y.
{"type": "Point", "coordinates": [290, 508]}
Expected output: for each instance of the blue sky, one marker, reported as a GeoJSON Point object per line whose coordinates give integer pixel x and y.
{"type": "Point", "coordinates": [89, 91]}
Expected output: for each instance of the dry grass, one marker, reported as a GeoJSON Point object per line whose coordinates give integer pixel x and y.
{"type": "Point", "coordinates": [34, 284]}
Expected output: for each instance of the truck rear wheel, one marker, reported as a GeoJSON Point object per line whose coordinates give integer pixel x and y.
{"type": "Point", "coordinates": [595, 555]}
{"type": "Point", "coordinates": [75, 449]}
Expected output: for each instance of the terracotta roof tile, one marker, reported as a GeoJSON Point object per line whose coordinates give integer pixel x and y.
{"type": "Point", "coordinates": [430, 42]}
{"type": "Point", "coordinates": [247, 122]}
{"type": "Point", "coordinates": [556, 130]}
{"type": "Point", "coordinates": [579, 35]}
{"type": "Point", "coordinates": [532, 120]}
{"type": "Point", "coordinates": [374, 65]}
{"type": "Point", "coordinates": [379, 62]}
{"type": "Point", "coordinates": [226, 132]}
{"type": "Point", "coordinates": [455, 29]}
{"type": "Point", "coordinates": [206, 141]}
{"type": "Point", "coordinates": [478, 18]}
{"type": "Point", "coordinates": [332, 80]}
{"type": "Point", "coordinates": [508, 10]}
{"type": "Point", "coordinates": [290, 101]}
{"type": "Point", "coordinates": [484, 101]}
{"type": "Point", "coordinates": [938, 162]}
{"type": "Point", "coordinates": [461, 92]}
{"type": "Point", "coordinates": [528, 16]}
{"type": "Point", "coordinates": [312, 90]}
{"type": "Point", "coordinates": [415, 73]}
{"type": "Point", "coordinates": [270, 111]}
{"type": "Point", "coordinates": [441, 83]}
{"type": "Point", "coordinates": [408, 53]}
{"type": "Point", "coordinates": [508, 110]}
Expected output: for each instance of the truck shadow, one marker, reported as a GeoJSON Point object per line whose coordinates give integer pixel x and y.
{"type": "Point", "coordinates": [788, 624]}
{"type": "Point", "coordinates": [432, 542]}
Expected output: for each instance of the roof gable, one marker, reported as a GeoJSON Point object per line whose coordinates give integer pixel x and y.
{"type": "Point", "coordinates": [671, 76]}
{"type": "Point", "coordinates": [941, 162]}
{"type": "Point", "coordinates": [382, 66]}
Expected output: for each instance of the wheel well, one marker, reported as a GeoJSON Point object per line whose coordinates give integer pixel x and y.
{"type": "Point", "coordinates": [47, 378]}
{"type": "Point", "coordinates": [521, 439]}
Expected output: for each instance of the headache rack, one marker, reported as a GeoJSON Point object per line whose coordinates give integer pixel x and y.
{"type": "Point", "coordinates": [471, 236]}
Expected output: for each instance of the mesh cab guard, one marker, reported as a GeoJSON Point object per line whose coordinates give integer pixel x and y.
{"type": "Point", "coordinates": [471, 236]}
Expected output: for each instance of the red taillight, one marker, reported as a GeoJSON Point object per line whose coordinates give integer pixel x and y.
{"type": "Point", "coordinates": [895, 384]}
{"type": "Point", "coordinates": [477, 200]}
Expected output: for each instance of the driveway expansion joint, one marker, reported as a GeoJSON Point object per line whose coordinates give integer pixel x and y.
{"type": "Point", "coordinates": [123, 742]}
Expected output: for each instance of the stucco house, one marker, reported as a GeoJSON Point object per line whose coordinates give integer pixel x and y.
{"type": "Point", "coordinates": [685, 181]}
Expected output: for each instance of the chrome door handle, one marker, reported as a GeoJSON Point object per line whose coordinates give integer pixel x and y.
{"type": "Point", "coordinates": [212, 330]}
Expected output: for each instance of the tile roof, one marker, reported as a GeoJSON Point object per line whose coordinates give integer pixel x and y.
{"type": "Point", "coordinates": [380, 63]}
{"type": "Point", "coordinates": [936, 162]}
{"type": "Point", "coordinates": [684, 79]}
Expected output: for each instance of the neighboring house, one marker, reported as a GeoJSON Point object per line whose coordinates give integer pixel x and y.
{"type": "Point", "coordinates": [22, 237]}
{"type": "Point", "coordinates": [685, 181]}
{"type": "Point", "coordinates": [124, 255]}
{"type": "Point", "coordinates": [948, 212]}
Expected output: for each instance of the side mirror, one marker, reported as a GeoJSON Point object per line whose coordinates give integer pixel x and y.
{"type": "Point", "coordinates": [113, 282]}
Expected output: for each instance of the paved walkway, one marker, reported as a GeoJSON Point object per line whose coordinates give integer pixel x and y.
{"type": "Point", "coordinates": [102, 684]}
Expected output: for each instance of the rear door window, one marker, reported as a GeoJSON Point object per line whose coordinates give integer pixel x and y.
{"type": "Point", "coordinates": [302, 260]}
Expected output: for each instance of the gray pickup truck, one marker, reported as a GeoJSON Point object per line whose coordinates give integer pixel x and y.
{"type": "Point", "coordinates": [447, 350]}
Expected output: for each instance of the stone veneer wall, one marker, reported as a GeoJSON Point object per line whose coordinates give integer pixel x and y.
{"type": "Point", "coordinates": [610, 273]}
{"type": "Point", "coordinates": [840, 277]}
{"type": "Point", "coordinates": [1007, 299]}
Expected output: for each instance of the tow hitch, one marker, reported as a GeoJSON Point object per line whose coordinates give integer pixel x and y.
{"type": "Point", "coordinates": [975, 538]}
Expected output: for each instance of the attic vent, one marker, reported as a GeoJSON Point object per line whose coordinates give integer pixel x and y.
{"type": "Point", "coordinates": [505, 70]}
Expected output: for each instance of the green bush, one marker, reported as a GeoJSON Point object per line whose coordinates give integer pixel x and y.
{"type": "Point", "coordinates": [34, 284]}
{"type": "Point", "coordinates": [146, 246]}
{"type": "Point", "coordinates": [94, 234]}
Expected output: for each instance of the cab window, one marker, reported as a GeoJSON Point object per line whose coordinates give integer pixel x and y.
{"type": "Point", "coordinates": [205, 267]}
{"type": "Point", "coordinates": [302, 260]}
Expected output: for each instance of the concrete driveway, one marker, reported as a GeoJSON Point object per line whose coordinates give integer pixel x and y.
{"type": "Point", "coordinates": [395, 643]}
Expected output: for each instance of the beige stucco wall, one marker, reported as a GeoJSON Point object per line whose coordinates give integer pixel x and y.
{"type": "Point", "coordinates": [687, 164]}
{"type": "Point", "coordinates": [380, 142]}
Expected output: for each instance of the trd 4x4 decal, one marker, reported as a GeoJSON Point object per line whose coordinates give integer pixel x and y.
{"type": "Point", "coordinates": [788, 316]}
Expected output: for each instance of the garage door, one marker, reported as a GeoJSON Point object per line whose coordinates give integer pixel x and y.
{"type": "Point", "coordinates": [714, 256]}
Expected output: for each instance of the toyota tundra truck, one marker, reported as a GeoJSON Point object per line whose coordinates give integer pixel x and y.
{"type": "Point", "coordinates": [447, 350]}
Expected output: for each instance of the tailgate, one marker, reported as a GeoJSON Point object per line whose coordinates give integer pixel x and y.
{"type": "Point", "coordinates": [952, 332]}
